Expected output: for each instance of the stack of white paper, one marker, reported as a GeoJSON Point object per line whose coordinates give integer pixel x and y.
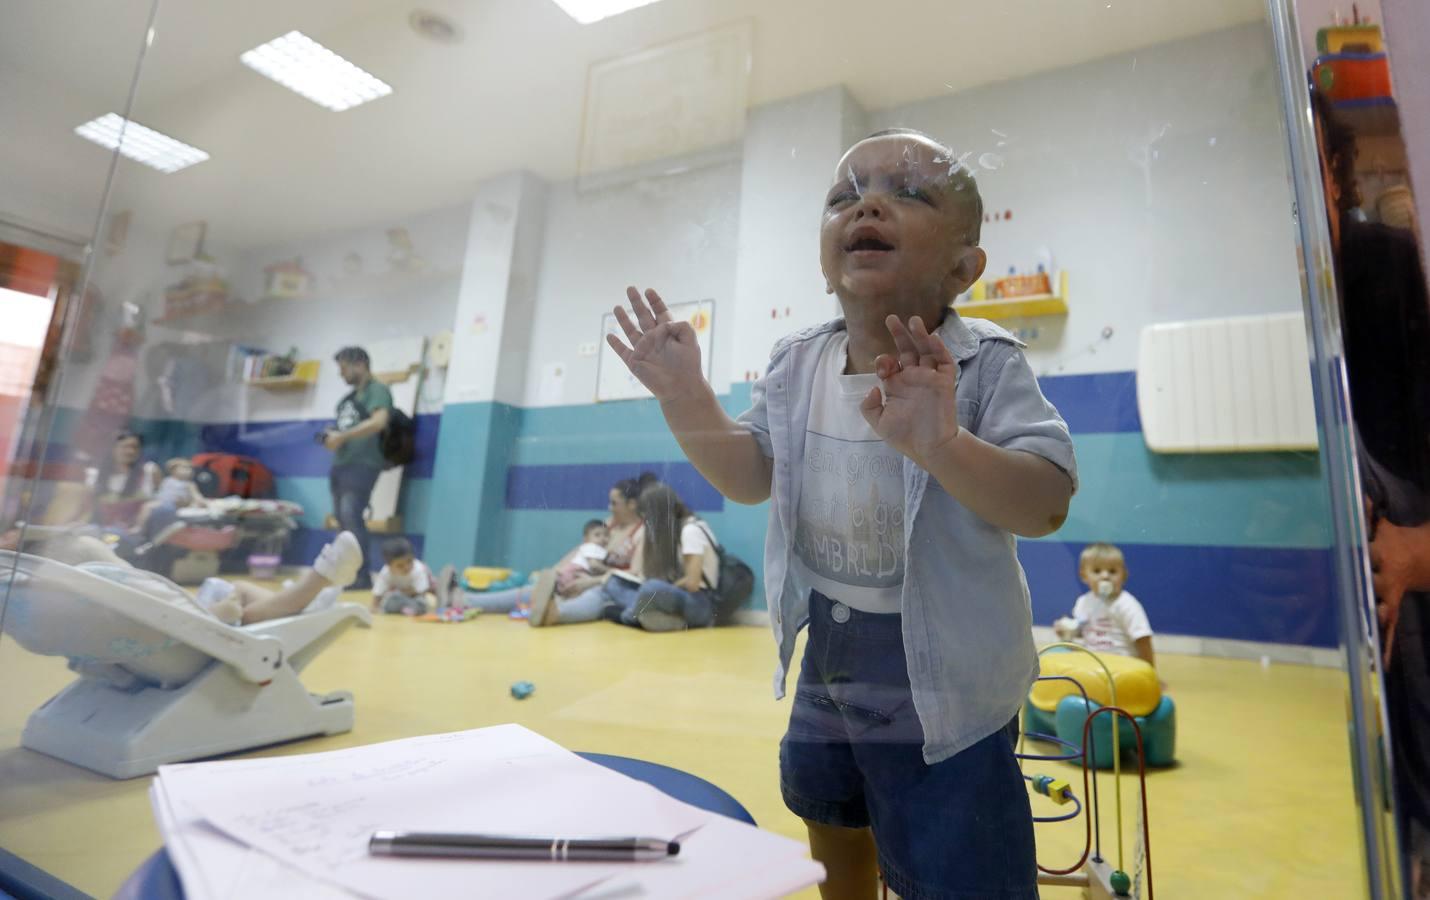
{"type": "Point", "coordinates": [298, 826]}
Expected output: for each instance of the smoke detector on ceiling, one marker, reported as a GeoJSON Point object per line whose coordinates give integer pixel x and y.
{"type": "Point", "coordinates": [434, 27]}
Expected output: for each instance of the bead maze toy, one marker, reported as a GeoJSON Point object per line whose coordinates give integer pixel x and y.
{"type": "Point", "coordinates": [1092, 870]}
{"type": "Point", "coordinates": [1055, 707]}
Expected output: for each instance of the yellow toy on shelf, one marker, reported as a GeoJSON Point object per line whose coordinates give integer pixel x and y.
{"type": "Point", "coordinates": [981, 305]}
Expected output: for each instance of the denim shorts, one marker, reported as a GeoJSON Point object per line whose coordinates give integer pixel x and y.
{"type": "Point", "coordinates": [853, 757]}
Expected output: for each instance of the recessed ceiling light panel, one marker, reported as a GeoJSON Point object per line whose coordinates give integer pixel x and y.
{"type": "Point", "coordinates": [144, 145]}
{"type": "Point", "coordinates": [588, 11]}
{"type": "Point", "coordinates": [305, 66]}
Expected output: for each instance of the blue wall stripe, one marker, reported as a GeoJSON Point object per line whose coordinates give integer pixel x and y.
{"type": "Point", "coordinates": [287, 446]}
{"type": "Point", "coordinates": [1095, 403]}
{"type": "Point", "coordinates": [1243, 593]}
{"type": "Point", "coordinates": [1240, 593]}
{"type": "Point", "coordinates": [588, 486]}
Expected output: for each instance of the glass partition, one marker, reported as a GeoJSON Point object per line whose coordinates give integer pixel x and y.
{"type": "Point", "coordinates": [331, 380]}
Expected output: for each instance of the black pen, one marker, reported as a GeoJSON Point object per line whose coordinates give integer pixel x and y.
{"type": "Point", "coordinates": [487, 846]}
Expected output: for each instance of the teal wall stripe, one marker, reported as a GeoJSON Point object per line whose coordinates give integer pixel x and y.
{"type": "Point", "coordinates": [474, 447]}
{"type": "Point", "coordinates": [310, 493]}
{"type": "Point", "coordinates": [1130, 494]}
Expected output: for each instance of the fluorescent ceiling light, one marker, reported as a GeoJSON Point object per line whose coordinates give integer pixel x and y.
{"type": "Point", "coordinates": [588, 11]}
{"type": "Point", "coordinates": [301, 64]}
{"type": "Point", "coordinates": [140, 144]}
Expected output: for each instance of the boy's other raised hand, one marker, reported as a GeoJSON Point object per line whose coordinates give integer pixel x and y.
{"type": "Point", "coordinates": [914, 407]}
{"type": "Point", "coordinates": [663, 355]}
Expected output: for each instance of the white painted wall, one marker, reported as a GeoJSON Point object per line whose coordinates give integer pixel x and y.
{"type": "Point", "coordinates": [377, 304]}
{"type": "Point", "coordinates": [1157, 179]}
{"type": "Point", "coordinates": [676, 234]}
{"type": "Point", "coordinates": [499, 259]}
{"type": "Point", "coordinates": [791, 149]}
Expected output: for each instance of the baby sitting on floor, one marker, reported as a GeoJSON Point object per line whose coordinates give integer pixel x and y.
{"type": "Point", "coordinates": [406, 585]}
{"type": "Point", "coordinates": [1107, 619]}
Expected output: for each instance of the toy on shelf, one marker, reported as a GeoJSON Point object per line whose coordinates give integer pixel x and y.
{"type": "Point", "coordinates": [1017, 297]}
{"type": "Point", "coordinates": [1350, 77]}
{"type": "Point", "coordinates": [1352, 66]}
{"type": "Point", "coordinates": [287, 280]}
{"type": "Point", "coordinates": [202, 289]}
{"type": "Point", "coordinates": [1015, 285]}
{"type": "Point", "coordinates": [277, 371]}
{"type": "Point", "coordinates": [1357, 36]}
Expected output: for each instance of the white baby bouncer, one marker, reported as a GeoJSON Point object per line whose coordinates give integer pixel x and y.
{"type": "Point", "coordinates": [161, 680]}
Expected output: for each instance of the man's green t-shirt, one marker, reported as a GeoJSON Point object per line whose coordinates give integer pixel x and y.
{"type": "Point", "coordinates": [355, 408]}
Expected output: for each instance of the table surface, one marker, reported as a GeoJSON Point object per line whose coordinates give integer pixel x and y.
{"type": "Point", "coordinates": [156, 878]}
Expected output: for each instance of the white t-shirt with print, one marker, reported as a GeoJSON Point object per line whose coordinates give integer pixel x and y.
{"type": "Point", "coordinates": [418, 581]}
{"type": "Point", "coordinates": [588, 553]}
{"type": "Point", "coordinates": [849, 531]}
{"type": "Point", "coordinates": [1113, 627]}
{"type": "Point", "coordinates": [694, 540]}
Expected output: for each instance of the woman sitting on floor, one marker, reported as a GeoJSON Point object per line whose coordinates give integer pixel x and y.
{"type": "Point", "coordinates": [123, 483]}
{"type": "Point", "coordinates": [623, 551]}
{"type": "Point", "coordinates": [674, 588]}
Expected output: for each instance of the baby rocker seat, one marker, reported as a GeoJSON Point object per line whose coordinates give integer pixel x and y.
{"type": "Point", "coordinates": [1055, 707]}
{"type": "Point", "coordinates": [161, 680]}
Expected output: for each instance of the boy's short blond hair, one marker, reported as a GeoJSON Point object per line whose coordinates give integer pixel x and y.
{"type": "Point", "coordinates": [1093, 554]}
{"type": "Point", "coordinates": [175, 462]}
{"type": "Point", "coordinates": [962, 186]}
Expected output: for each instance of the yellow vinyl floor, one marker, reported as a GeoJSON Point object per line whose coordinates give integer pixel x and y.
{"type": "Point", "coordinates": [1259, 806]}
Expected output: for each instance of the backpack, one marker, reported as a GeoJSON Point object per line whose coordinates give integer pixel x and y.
{"type": "Point", "coordinates": [737, 583]}
{"type": "Point", "coordinates": [228, 474]}
{"type": "Point", "coordinates": [398, 441]}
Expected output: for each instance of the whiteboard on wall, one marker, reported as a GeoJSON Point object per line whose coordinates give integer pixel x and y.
{"type": "Point", "coordinates": [615, 382]}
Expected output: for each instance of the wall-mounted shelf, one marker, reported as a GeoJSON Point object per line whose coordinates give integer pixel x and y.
{"type": "Point", "coordinates": [236, 313]}
{"type": "Point", "coordinates": [304, 375]}
{"type": "Point", "coordinates": [397, 376]}
{"type": "Point", "coordinates": [1030, 306]}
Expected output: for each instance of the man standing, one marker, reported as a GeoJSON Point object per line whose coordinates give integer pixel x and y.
{"type": "Point", "coordinates": [357, 454]}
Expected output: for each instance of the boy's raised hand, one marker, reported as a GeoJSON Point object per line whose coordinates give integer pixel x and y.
{"type": "Point", "coordinates": [663, 355]}
{"type": "Point", "coordinates": [916, 412]}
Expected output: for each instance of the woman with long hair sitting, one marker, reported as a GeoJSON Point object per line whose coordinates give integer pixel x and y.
{"type": "Point", "coordinates": [673, 588]}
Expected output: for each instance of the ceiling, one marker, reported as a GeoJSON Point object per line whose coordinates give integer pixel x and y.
{"type": "Point", "coordinates": [508, 96]}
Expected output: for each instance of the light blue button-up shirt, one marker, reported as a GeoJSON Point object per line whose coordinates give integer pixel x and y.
{"type": "Point", "coordinates": [967, 619]}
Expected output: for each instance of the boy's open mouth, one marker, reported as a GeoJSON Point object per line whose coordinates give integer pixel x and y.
{"type": "Point", "coordinates": [868, 244]}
